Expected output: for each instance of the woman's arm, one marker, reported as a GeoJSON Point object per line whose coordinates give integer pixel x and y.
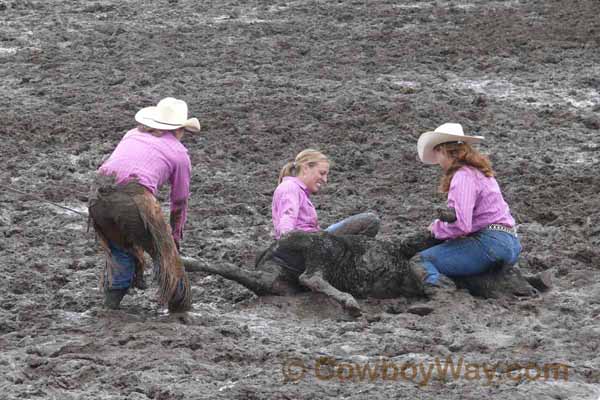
{"type": "Point", "coordinates": [288, 208]}
{"type": "Point", "coordinates": [462, 197]}
{"type": "Point", "coordinates": [180, 192]}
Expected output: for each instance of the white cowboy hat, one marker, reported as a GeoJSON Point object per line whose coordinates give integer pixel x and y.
{"type": "Point", "coordinates": [169, 114]}
{"type": "Point", "coordinates": [448, 132]}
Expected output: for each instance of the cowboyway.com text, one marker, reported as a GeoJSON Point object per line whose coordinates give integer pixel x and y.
{"type": "Point", "coordinates": [330, 369]}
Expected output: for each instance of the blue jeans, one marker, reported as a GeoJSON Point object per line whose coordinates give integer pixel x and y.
{"type": "Point", "coordinates": [123, 267]}
{"type": "Point", "coordinates": [124, 270]}
{"type": "Point", "coordinates": [471, 255]}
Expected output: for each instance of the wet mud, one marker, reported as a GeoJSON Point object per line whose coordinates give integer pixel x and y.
{"type": "Point", "coordinates": [359, 80]}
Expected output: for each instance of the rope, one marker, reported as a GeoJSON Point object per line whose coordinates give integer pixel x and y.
{"type": "Point", "coordinates": [43, 200]}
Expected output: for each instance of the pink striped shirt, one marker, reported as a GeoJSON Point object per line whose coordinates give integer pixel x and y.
{"type": "Point", "coordinates": [153, 161]}
{"type": "Point", "coordinates": [478, 203]}
{"type": "Point", "coordinates": [292, 209]}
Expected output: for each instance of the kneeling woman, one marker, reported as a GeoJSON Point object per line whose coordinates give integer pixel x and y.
{"type": "Point", "coordinates": [293, 210]}
{"type": "Point", "coordinates": [483, 235]}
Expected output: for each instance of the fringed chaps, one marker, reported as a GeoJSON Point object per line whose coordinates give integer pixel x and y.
{"type": "Point", "coordinates": [130, 216]}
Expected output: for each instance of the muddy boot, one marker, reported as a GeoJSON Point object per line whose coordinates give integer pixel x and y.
{"type": "Point", "coordinates": [421, 274]}
{"type": "Point", "coordinates": [418, 270]}
{"type": "Point", "coordinates": [138, 278]}
{"type": "Point", "coordinates": [113, 297]}
{"type": "Point", "coordinates": [442, 284]}
{"type": "Point", "coordinates": [139, 282]}
{"type": "Point", "coordinates": [182, 298]}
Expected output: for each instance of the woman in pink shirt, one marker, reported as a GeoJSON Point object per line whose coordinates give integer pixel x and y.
{"type": "Point", "coordinates": [483, 236]}
{"type": "Point", "coordinates": [127, 217]}
{"type": "Point", "coordinates": [292, 208]}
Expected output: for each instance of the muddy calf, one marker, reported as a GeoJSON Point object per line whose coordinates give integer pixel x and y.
{"type": "Point", "coordinates": [345, 267]}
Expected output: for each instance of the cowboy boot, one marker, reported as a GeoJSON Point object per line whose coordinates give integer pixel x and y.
{"type": "Point", "coordinates": [421, 274]}
{"type": "Point", "coordinates": [113, 297]}
{"type": "Point", "coordinates": [443, 284]}
{"type": "Point", "coordinates": [139, 282]}
{"type": "Point", "coordinates": [182, 299]}
{"type": "Point", "coordinates": [138, 277]}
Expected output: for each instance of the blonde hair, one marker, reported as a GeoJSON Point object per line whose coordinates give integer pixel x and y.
{"type": "Point", "coordinates": [307, 158]}
{"type": "Point", "coordinates": [462, 154]}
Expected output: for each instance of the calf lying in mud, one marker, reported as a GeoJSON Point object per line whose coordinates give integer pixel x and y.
{"type": "Point", "coordinates": [345, 267]}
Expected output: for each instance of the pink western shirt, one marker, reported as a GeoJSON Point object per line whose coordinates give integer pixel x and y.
{"type": "Point", "coordinates": [153, 161]}
{"type": "Point", "coordinates": [292, 209]}
{"type": "Point", "coordinates": [478, 203]}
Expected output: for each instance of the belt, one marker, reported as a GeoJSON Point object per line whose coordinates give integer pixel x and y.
{"type": "Point", "coordinates": [498, 227]}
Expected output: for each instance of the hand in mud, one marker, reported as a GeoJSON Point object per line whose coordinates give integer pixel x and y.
{"type": "Point", "coordinates": [447, 214]}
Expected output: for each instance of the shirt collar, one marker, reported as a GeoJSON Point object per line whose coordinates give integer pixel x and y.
{"type": "Point", "coordinates": [298, 182]}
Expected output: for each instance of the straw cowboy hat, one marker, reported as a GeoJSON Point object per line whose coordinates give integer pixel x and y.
{"type": "Point", "coordinates": [169, 114]}
{"type": "Point", "coordinates": [448, 132]}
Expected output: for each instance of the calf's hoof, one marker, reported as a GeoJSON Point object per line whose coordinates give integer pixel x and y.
{"type": "Point", "coordinates": [541, 281]}
{"type": "Point", "coordinates": [447, 215]}
{"type": "Point", "coordinates": [351, 305]}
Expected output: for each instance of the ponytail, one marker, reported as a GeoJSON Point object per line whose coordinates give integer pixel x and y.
{"type": "Point", "coordinates": [306, 158]}
{"type": "Point", "coordinates": [287, 170]}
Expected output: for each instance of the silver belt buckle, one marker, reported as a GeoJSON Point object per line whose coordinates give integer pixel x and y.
{"type": "Point", "coordinates": [498, 227]}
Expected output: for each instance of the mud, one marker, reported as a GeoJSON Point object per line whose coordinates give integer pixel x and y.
{"type": "Point", "coordinates": [357, 79]}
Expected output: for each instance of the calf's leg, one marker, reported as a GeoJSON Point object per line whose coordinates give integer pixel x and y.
{"type": "Point", "coordinates": [499, 282]}
{"type": "Point", "coordinates": [317, 283]}
{"type": "Point", "coordinates": [366, 224]}
{"type": "Point", "coordinates": [260, 282]}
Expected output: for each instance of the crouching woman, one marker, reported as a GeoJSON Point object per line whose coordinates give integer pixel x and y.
{"type": "Point", "coordinates": [483, 236]}
{"type": "Point", "coordinates": [126, 215]}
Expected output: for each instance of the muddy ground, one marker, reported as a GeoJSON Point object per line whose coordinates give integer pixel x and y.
{"type": "Point", "coordinates": [359, 80]}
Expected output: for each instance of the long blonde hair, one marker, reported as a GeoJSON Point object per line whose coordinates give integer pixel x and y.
{"type": "Point", "coordinates": [307, 158]}
{"type": "Point", "coordinates": [462, 154]}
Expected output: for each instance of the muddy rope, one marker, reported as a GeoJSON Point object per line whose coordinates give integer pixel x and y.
{"type": "Point", "coordinates": [83, 214]}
